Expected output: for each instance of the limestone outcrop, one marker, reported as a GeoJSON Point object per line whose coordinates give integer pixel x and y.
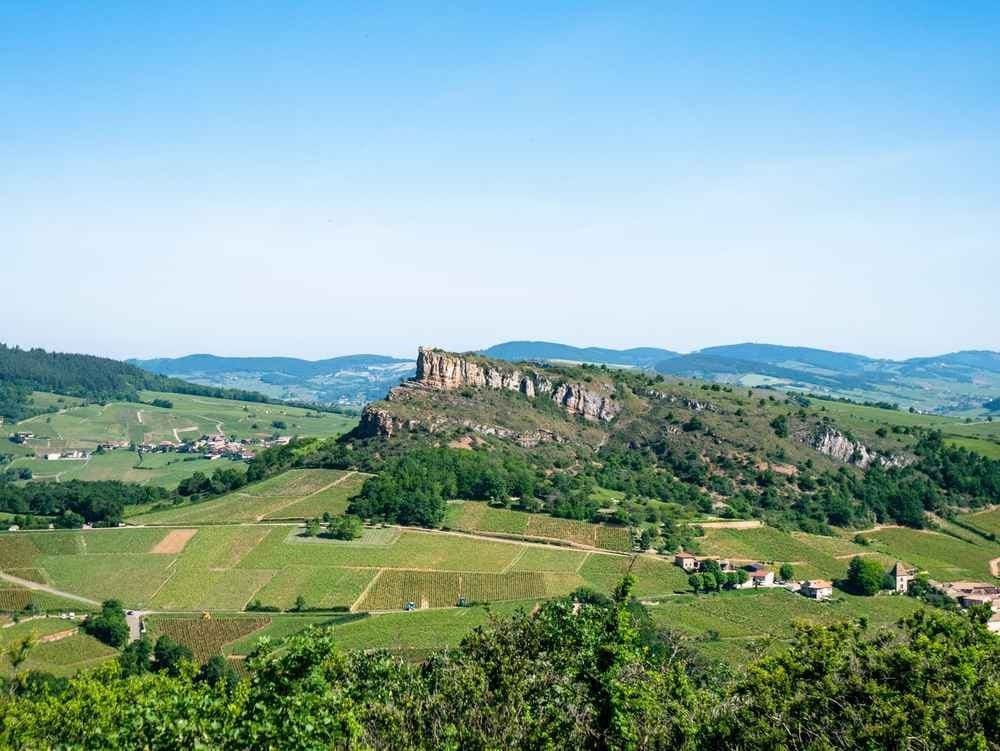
{"type": "Point", "coordinates": [838, 446]}
{"type": "Point", "coordinates": [446, 371]}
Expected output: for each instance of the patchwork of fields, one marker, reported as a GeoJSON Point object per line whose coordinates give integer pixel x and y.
{"type": "Point", "coordinates": [475, 516]}
{"type": "Point", "coordinates": [224, 567]}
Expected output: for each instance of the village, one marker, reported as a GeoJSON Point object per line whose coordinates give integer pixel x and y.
{"type": "Point", "coordinates": [751, 574]}
{"type": "Point", "coordinates": [207, 446]}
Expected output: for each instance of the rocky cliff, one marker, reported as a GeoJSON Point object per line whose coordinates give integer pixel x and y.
{"type": "Point", "coordinates": [838, 446]}
{"type": "Point", "coordinates": [443, 370]}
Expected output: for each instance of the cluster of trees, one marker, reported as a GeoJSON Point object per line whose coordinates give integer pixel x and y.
{"type": "Point", "coordinates": [592, 674]}
{"type": "Point", "coordinates": [77, 501]}
{"type": "Point", "coordinates": [347, 527]}
{"type": "Point", "coordinates": [713, 581]}
{"type": "Point", "coordinates": [108, 626]}
{"type": "Point", "coordinates": [414, 488]}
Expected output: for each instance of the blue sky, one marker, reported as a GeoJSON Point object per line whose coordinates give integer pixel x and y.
{"type": "Point", "coordinates": [252, 178]}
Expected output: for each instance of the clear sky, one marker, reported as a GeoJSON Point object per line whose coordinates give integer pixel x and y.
{"type": "Point", "coordinates": [322, 178]}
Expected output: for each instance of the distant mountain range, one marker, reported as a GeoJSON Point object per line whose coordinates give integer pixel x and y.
{"type": "Point", "coordinates": [348, 380]}
{"type": "Point", "coordinates": [955, 383]}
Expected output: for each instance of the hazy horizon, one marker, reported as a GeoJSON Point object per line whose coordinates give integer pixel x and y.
{"type": "Point", "coordinates": [319, 181]}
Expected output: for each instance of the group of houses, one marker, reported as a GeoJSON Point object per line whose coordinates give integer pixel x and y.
{"type": "Point", "coordinates": [970, 594]}
{"type": "Point", "coordinates": [760, 575]}
{"type": "Point", "coordinates": [72, 455]}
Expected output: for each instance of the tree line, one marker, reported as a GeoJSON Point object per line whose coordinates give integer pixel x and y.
{"type": "Point", "coordinates": [595, 673]}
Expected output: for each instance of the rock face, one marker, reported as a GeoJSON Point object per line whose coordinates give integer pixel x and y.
{"type": "Point", "coordinates": [378, 422]}
{"type": "Point", "coordinates": [837, 446]}
{"type": "Point", "coordinates": [442, 370]}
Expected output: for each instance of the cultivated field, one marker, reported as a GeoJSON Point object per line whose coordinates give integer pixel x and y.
{"type": "Point", "coordinates": [475, 516]}
{"type": "Point", "coordinates": [60, 651]}
{"type": "Point", "coordinates": [296, 494]}
{"type": "Point", "coordinates": [166, 470]}
{"type": "Point", "coordinates": [205, 637]}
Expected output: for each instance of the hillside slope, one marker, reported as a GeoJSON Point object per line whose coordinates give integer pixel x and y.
{"type": "Point", "coordinates": [736, 452]}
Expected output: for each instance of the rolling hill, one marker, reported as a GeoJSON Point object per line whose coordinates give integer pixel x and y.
{"type": "Point", "coordinates": [348, 380]}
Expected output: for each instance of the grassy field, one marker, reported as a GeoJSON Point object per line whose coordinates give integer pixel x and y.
{"type": "Point", "coordinates": [726, 625]}
{"type": "Point", "coordinates": [474, 516]}
{"type": "Point", "coordinates": [988, 521]}
{"type": "Point", "coordinates": [83, 426]}
{"type": "Point", "coordinates": [296, 494]}
{"type": "Point", "coordinates": [943, 557]}
{"type": "Point", "coordinates": [191, 416]}
{"type": "Point", "coordinates": [166, 470]}
{"type": "Point", "coordinates": [67, 653]}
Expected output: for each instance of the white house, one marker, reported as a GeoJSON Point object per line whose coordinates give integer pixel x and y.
{"type": "Point", "coordinates": [817, 589]}
{"type": "Point", "coordinates": [687, 561]}
{"type": "Point", "coordinates": [760, 576]}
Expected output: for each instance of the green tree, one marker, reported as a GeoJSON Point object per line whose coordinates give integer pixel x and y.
{"type": "Point", "coordinates": [786, 572]}
{"type": "Point", "coordinates": [109, 626]}
{"type": "Point", "coordinates": [864, 576]}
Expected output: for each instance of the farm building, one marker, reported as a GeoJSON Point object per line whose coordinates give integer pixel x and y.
{"type": "Point", "coordinates": [902, 576]}
{"type": "Point", "coordinates": [687, 561]}
{"type": "Point", "coordinates": [994, 623]}
{"type": "Point", "coordinates": [760, 575]}
{"type": "Point", "coordinates": [974, 593]}
{"type": "Point", "coordinates": [817, 589]}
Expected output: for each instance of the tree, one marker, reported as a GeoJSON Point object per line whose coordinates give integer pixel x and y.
{"type": "Point", "coordinates": [168, 655]}
{"type": "Point", "coordinates": [786, 572]}
{"type": "Point", "coordinates": [300, 604]}
{"type": "Point", "coordinates": [108, 626]}
{"type": "Point", "coordinates": [134, 659]}
{"type": "Point", "coordinates": [347, 527]}
{"type": "Point", "coordinates": [780, 426]}
{"type": "Point", "coordinates": [694, 581]}
{"type": "Point", "coordinates": [313, 528]}
{"type": "Point", "coordinates": [17, 652]}
{"type": "Point", "coordinates": [864, 576]}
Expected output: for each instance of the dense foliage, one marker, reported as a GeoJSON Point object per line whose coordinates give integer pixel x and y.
{"type": "Point", "coordinates": [589, 675]}
{"type": "Point", "coordinates": [109, 626]}
{"type": "Point", "coordinates": [100, 501]}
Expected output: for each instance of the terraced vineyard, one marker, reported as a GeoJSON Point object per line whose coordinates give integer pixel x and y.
{"type": "Point", "coordinates": [474, 516]}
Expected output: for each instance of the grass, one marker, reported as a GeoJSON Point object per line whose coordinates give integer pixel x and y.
{"type": "Point", "coordinates": [988, 521]}
{"type": "Point", "coordinates": [322, 587]}
{"type": "Point", "coordinates": [63, 657]}
{"type": "Point", "coordinates": [392, 589]}
{"type": "Point", "coordinates": [283, 625]}
{"type": "Point", "coordinates": [943, 557]}
{"type": "Point", "coordinates": [479, 517]}
{"type": "Point", "coordinates": [166, 470]}
{"type": "Point", "coordinates": [654, 576]}
{"type": "Point", "coordinates": [283, 496]}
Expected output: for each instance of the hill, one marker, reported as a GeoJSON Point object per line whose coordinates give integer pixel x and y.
{"type": "Point", "coordinates": [348, 380]}
{"type": "Point", "coordinates": [98, 379]}
{"type": "Point", "coordinates": [641, 357]}
{"type": "Point", "coordinates": [663, 443]}
{"type": "Point", "coordinates": [955, 383]}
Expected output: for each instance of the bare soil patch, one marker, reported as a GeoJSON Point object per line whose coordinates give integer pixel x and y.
{"type": "Point", "coordinates": [174, 542]}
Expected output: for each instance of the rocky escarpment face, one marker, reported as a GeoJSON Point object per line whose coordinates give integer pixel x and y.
{"type": "Point", "coordinates": [838, 446]}
{"type": "Point", "coordinates": [443, 370]}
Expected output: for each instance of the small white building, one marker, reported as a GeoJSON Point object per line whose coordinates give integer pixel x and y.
{"type": "Point", "coordinates": [817, 589]}
{"type": "Point", "coordinates": [687, 561]}
{"type": "Point", "coordinates": [760, 576]}
{"type": "Point", "coordinates": [902, 576]}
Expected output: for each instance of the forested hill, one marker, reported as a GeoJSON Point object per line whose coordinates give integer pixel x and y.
{"type": "Point", "coordinates": [556, 437]}
{"type": "Point", "coordinates": [85, 376]}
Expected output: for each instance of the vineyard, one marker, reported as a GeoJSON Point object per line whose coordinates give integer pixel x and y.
{"type": "Point", "coordinates": [14, 599]}
{"type": "Point", "coordinates": [392, 589]}
{"type": "Point", "coordinates": [205, 637]}
{"type": "Point", "coordinates": [479, 517]}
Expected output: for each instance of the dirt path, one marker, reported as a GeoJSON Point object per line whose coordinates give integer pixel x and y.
{"type": "Point", "coordinates": [28, 584]}
{"type": "Point", "coordinates": [58, 635]}
{"type": "Point", "coordinates": [138, 416]}
{"type": "Point", "coordinates": [995, 567]}
{"type": "Point", "coordinates": [177, 431]}
{"type": "Point", "coordinates": [737, 524]}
